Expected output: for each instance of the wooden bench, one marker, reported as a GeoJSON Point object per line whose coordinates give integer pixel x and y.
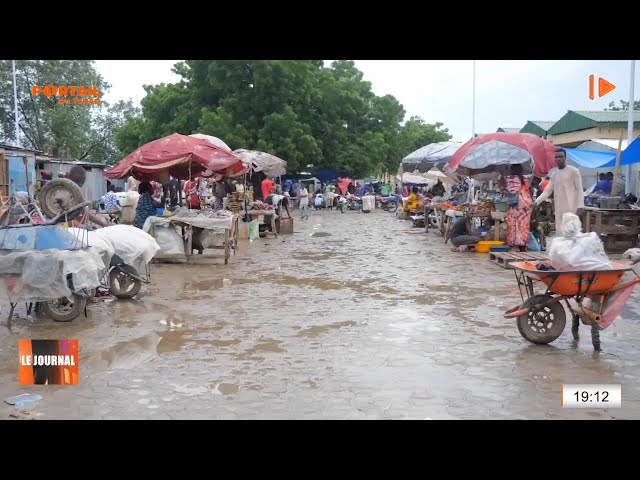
{"type": "Point", "coordinates": [505, 259]}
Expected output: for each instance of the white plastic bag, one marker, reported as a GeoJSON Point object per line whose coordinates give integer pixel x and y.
{"type": "Point", "coordinates": [169, 240]}
{"type": "Point", "coordinates": [633, 254]}
{"type": "Point", "coordinates": [576, 250]}
{"type": "Point", "coordinates": [129, 243]}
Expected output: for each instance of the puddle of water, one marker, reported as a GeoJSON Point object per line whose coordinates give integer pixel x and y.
{"type": "Point", "coordinates": [317, 330]}
{"type": "Point", "coordinates": [124, 355]}
{"type": "Point", "coordinates": [225, 343]}
{"type": "Point", "coordinates": [216, 283]}
{"type": "Point", "coordinates": [225, 389]}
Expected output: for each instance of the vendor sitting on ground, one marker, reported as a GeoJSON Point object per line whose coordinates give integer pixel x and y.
{"type": "Point", "coordinates": [460, 234]}
{"type": "Point", "coordinates": [413, 203]}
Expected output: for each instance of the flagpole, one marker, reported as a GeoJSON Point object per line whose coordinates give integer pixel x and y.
{"type": "Point", "coordinates": [627, 171]}
{"type": "Point", "coordinates": [473, 103]}
{"type": "Point", "coordinates": [473, 125]}
{"type": "Point", "coordinates": [15, 104]}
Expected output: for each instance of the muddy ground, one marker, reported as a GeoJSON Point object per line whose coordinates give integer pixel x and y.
{"type": "Point", "coordinates": [376, 320]}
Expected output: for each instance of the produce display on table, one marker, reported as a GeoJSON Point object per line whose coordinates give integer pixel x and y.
{"type": "Point", "coordinates": [258, 205]}
{"type": "Point", "coordinates": [484, 207]}
{"type": "Point", "coordinates": [450, 206]}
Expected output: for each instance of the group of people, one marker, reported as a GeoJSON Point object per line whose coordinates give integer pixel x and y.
{"type": "Point", "coordinates": [565, 186]}
{"type": "Point", "coordinates": [414, 201]}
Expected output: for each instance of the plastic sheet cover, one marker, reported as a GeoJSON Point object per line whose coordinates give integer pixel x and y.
{"type": "Point", "coordinates": [42, 275]}
{"type": "Point", "coordinates": [131, 244]}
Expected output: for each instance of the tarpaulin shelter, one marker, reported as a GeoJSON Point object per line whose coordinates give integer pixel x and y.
{"type": "Point", "coordinates": [181, 156]}
{"type": "Point", "coordinates": [496, 151]}
{"type": "Point", "coordinates": [629, 156]}
{"type": "Point", "coordinates": [425, 158]}
{"type": "Point", "coordinates": [266, 163]}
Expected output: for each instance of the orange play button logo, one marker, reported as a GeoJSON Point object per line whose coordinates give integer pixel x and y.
{"type": "Point", "coordinates": [604, 87]}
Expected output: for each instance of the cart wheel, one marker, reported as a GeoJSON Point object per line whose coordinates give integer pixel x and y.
{"type": "Point", "coordinates": [122, 285]}
{"type": "Point", "coordinates": [64, 309]}
{"type": "Point", "coordinates": [543, 324]}
{"type": "Point", "coordinates": [60, 195]}
{"type": "Point", "coordinates": [392, 207]}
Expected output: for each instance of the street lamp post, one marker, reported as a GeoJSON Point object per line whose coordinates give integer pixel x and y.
{"type": "Point", "coordinates": [15, 104]}
{"type": "Point", "coordinates": [628, 171]}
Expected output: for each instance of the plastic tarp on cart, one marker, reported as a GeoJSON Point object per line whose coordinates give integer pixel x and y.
{"type": "Point", "coordinates": [41, 275]}
{"type": "Point", "coordinates": [132, 245]}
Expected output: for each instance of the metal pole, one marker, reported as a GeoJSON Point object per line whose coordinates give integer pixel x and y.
{"type": "Point", "coordinates": [473, 103]}
{"type": "Point", "coordinates": [627, 171]}
{"type": "Point", "coordinates": [15, 104]}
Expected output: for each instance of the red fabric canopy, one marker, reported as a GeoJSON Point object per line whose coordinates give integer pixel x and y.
{"type": "Point", "coordinates": [180, 156]}
{"type": "Point", "coordinates": [485, 152]}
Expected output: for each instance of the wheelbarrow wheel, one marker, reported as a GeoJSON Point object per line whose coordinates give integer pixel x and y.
{"type": "Point", "coordinates": [122, 284]}
{"type": "Point", "coordinates": [64, 309]}
{"type": "Point", "coordinates": [543, 323]}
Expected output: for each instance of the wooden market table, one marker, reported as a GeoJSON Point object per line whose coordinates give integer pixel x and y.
{"type": "Point", "coordinates": [229, 224]}
{"type": "Point", "coordinates": [254, 214]}
{"type": "Point", "coordinates": [614, 226]}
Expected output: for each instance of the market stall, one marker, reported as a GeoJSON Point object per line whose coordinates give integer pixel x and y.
{"type": "Point", "coordinates": [489, 159]}
{"type": "Point", "coordinates": [186, 157]}
{"type": "Point", "coordinates": [199, 231]}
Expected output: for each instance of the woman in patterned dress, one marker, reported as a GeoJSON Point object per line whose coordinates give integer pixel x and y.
{"type": "Point", "coordinates": [145, 208]}
{"type": "Point", "coordinates": [519, 217]}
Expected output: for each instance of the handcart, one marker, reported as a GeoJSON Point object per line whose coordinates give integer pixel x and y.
{"type": "Point", "coordinates": [594, 297]}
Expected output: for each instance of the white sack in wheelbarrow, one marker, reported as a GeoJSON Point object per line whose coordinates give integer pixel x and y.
{"type": "Point", "coordinates": [101, 245]}
{"type": "Point", "coordinates": [575, 250]}
{"type": "Point", "coordinates": [129, 243]}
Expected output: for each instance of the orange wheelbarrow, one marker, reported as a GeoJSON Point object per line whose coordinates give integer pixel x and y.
{"type": "Point", "coordinates": [594, 297]}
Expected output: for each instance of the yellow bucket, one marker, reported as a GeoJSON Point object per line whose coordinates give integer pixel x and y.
{"type": "Point", "coordinates": [484, 246]}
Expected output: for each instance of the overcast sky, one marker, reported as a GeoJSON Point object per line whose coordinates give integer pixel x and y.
{"type": "Point", "coordinates": [508, 92]}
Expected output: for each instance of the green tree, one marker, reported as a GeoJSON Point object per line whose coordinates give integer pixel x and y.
{"type": "Point", "coordinates": [624, 106]}
{"type": "Point", "coordinates": [87, 131]}
{"type": "Point", "coordinates": [416, 133]}
{"type": "Point", "coordinates": [299, 110]}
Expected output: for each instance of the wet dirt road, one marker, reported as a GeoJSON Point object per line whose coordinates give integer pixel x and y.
{"type": "Point", "coordinates": [376, 320]}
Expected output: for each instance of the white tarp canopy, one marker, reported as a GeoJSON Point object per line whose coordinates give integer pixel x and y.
{"type": "Point", "coordinates": [426, 157]}
{"type": "Point", "coordinates": [267, 163]}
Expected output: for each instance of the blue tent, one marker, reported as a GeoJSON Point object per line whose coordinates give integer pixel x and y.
{"type": "Point", "coordinates": [595, 159]}
{"type": "Point", "coordinates": [590, 158]}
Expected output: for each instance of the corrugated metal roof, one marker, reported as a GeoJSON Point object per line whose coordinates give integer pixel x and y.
{"type": "Point", "coordinates": [609, 116]}
{"type": "Point", "coordinates": [537, 127]}
{"type": "Point", "coordinates": [508, 130]}
{"type": "Point", "coordinates": [6, 146]}
{"type": "Point", "coordinates": [582, 120]}
{"type": "Point", "coordinates": [543, 124]}
{"type": "Point", "coordinates": [46, 158]}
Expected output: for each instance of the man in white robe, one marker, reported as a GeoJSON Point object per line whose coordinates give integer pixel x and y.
{"type": "Point", "coordinates": [566, 188]}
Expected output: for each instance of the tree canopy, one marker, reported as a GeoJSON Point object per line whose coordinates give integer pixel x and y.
{"type": "Point", "coordinates": [87, 131]}
{"type": "Point", "coordinates": [624, 106]}
{"type": "Point", "coordinates": [299, 110]}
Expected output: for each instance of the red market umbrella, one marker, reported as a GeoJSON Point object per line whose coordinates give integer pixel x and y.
{"type": "Point", "coordinates": [181, 156]}
{"type": "Point", "coordinates": [495, 151]}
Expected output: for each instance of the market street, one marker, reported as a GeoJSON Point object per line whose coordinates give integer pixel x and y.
{"type": "Point", "coordinates": [376, 320]}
